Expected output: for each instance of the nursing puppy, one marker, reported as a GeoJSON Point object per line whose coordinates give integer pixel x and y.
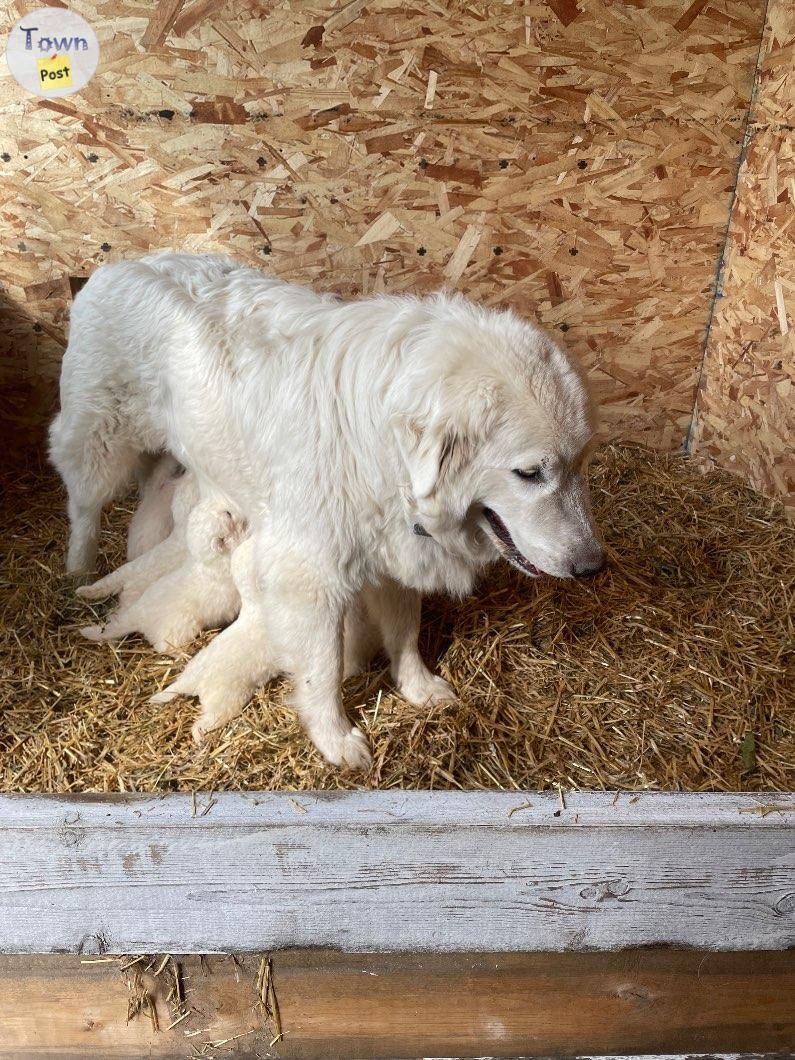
{"type": "Point", "coordinates": [182, 586]}
{"type": "Point", "coordinates": [392, 444]}
{"type": "Point", "coordinates": [153, 520]}
{"type": "Point", "coordinates": [226, 673]}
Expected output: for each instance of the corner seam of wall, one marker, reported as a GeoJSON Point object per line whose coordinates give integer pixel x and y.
{"type": "Point", "coordinates": [720, 268]}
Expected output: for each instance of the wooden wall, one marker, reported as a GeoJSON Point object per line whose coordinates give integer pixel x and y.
{"type": "Point", "coordinates": [572, 158]}
{"type": "Point", "coordinates": [368, 1006]}
{"type": "Point", "coordinates": [746, 405]}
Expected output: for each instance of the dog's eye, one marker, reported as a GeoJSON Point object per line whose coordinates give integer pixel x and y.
{"type": "Point", "coordinates": [530, 475]}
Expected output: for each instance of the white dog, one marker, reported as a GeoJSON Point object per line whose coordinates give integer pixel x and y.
{"type": "Point", "coordinates": [226, 673]}
{"type": "Point", "coordinates": [389, 442]}
{"type": "Point", "coordinates": [181, 586]}
{"type": "Point", "coordinates": [153, 520]}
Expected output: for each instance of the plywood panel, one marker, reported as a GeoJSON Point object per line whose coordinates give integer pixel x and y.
{"type": "Point", "coordinates": [746, 407]}
{"type": "Point", "coordinates": [334, 1005]}
{"type": "Point", "coordinates": [383, 871]}
{"type": "Point", "coordinates": [574, 160]}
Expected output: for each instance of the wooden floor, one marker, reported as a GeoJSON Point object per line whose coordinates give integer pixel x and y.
{"type": "Point", "coordinates": [337, 1005]}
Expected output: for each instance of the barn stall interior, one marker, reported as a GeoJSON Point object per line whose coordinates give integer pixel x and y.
{"type": "Point", "coordinates": [621, 172]}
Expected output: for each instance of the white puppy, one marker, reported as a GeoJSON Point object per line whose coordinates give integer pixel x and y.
{"type": "Point", "coordinates": [153, 521]}
{"type": "Point", "coordinates": [390, 442]}
{"type": "Point", "coordinates": [131, 579]}
{"type": "Point", "coordinates": [226, 672]}
{"type": "Point", "coordinates": [197, 594]}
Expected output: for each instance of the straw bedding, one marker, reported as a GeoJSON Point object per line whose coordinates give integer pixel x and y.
{"type": "Point", "coordinates": [670, 670]}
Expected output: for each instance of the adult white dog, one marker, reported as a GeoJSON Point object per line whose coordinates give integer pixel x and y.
{"type": "Point", "coordinates": [394, 445]}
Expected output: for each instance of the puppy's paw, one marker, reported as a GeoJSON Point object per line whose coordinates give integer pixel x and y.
{"type": "Point", "coordinates": [351, 750]}
{"type": "Point", "coordinates": [163, 697]}
{"type": "Point", "coordinates": [89, 592]}
{"type": "Point", "coordinates": [211, 719]}
{"type": "Point", "coordinates": [172, 642]}
{"type": "Point", "coordinates": [428, 690]}
{"type": "Point", "coordinates": [93, 633]}
{"type": "Point", "coordinates": [199, 732]}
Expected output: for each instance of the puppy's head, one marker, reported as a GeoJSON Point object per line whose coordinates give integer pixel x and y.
{"type": "Point", "coordinates": [499, 453]}
{"type": "Point", "coordinates": [212, 531]}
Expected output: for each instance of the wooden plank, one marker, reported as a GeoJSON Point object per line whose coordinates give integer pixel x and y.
{"type": "Point", "coordinates": [392, 871]}
{"type": "Point", "coordinates": [334, 1005]}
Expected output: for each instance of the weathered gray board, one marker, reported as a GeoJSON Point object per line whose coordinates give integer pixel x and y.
{"type": "Point", "coordinates": [391, 871]}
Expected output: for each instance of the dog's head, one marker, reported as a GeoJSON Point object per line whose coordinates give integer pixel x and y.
{"type": "Point", "coordinates": [497, 454]}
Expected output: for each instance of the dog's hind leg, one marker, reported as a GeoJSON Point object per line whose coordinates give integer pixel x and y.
{"type": "Point", "coordinates": [95, 463]}
{"type": "Point", "coordinates": [396, 610]}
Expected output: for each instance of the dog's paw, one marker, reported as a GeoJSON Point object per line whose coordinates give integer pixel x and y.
{"type": "Point", "coordinates": [428, 690]}
{"type": "Point", "coordinates": [80, 580]}
{"type": "Point", "coordinates": [93, 633]}
{"type": "Point", "coordinates": [356, 753]}
{"type": "Point", "coordinates": [163, 697]}
{"type": "Point", "coordinates": [351, 750]}
{"type": "Point", "coordinates": [199, 731]}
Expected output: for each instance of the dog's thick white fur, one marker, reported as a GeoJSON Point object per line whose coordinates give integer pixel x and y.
{"type": "Point", "coordinates": [173, 593]}
{"type": "Point", "coordinates": [394, 445]}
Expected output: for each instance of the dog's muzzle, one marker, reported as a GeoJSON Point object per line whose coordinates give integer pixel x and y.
{"type": "Point", "coordinates": [506, 544]}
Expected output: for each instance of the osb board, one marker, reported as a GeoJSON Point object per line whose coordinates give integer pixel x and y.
{"type": "Point", "coordinates": [574, 160]}
{"type": "Point", "coordinates": [775, 91]}
{"type": "Point", "coordinates": [336, 1005]}
{"type": "Point", "coordinates": [746, 408]}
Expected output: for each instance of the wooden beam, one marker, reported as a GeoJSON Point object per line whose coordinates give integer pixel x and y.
{"type": "Point", "coordinates": [336, 1005]}
{"type": "Point", "coordinates": [392, 871]}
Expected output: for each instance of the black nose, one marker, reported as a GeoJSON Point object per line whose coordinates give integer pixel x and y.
{"type": "Point", "coordinates": [589, 563]}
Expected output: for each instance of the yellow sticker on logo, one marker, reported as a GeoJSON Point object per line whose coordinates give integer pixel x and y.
{"type": "Point", "coordinates": [55, 73]}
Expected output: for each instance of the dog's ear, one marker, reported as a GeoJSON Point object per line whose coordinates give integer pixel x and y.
{"type": "Point", "coordinates": [431, 452]}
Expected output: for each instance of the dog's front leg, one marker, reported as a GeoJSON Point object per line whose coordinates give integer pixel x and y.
{"type": "Point", "coordinates": [305, 625]}
{"type": "Point", "coordinates": [318, 688]}
{"type": "Point", "coordinates": [396, 611]}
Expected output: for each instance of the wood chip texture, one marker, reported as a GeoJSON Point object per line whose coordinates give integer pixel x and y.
{"type": "Point", "coordinates": [574, 160]}
{"type": "Point", "coordinates": [746, 406]}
